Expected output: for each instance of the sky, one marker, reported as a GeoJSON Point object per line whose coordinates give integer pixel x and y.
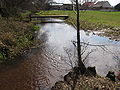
{"type": "Point", "coordinates": [112, 2]}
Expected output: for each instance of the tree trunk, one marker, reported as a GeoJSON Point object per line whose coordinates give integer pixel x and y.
{"type": "Point", "coordinates": [80, 63]}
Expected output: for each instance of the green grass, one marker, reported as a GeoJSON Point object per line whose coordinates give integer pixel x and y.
{"type": "Point", "coordinates": [94, 19]}
{"type": "Point", "coordinates": [24, 15]}
{"type": "Point", "coordinates": [2, 56]}
{"type": "Point", "coordinates": [107, 18]}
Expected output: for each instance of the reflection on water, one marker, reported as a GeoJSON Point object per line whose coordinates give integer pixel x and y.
{"type": "Point", "coordinates": [51, 20]}
{"type": "Point", "coordinates": [43, 66]}
{"type": "Point", "coordinates": [105, 52]}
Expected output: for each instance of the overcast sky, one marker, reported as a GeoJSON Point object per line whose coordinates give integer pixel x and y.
{"type": "Point", "coordinates": [112, 2]}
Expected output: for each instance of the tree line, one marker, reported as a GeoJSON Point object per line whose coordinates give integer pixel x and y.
{"type": "Point", "coordinates": [13, 7]}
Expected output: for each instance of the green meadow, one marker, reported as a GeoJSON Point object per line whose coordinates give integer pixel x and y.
{"type": "Point", "coordinates": [107, 18]}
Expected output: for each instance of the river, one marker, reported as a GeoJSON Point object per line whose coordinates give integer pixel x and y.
{"type": "Point", "coordinates": [41, 67]}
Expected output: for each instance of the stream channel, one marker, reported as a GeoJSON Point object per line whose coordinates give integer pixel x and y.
{"type": "Point", "coordinates": [40, 68]}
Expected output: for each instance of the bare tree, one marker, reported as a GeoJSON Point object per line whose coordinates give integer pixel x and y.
{"type": "Point", "coordinates": [76, 7]}
{"type": "Point", "coordinates": [80, 63]}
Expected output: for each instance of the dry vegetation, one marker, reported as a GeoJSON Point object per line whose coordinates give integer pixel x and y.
{"type": "Point", "coordinates": [89, 83]}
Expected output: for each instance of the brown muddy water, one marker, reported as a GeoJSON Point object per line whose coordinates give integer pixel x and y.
{"type": "Point", "coordinates": [40, 68]}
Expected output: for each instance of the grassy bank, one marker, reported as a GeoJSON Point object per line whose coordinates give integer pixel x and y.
{"type": "Point", "coordinates": [107, 22]}
{"type": "Point", "coordinates": [15, 37]}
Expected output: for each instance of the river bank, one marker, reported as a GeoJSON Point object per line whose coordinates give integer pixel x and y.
{"type": "Point", "coordinates": [15, 38]}
{"type": "Point", "coordinates": [88, 83]}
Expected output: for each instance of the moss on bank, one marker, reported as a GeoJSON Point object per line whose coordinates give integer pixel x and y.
{"type": "Point", "coordinates": [15, 37]}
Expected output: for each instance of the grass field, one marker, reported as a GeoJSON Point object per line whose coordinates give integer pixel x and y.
{"type": "Point", "coordinates": [107, 18]}
{"type": "Point", "coordinates": [90, 19]}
